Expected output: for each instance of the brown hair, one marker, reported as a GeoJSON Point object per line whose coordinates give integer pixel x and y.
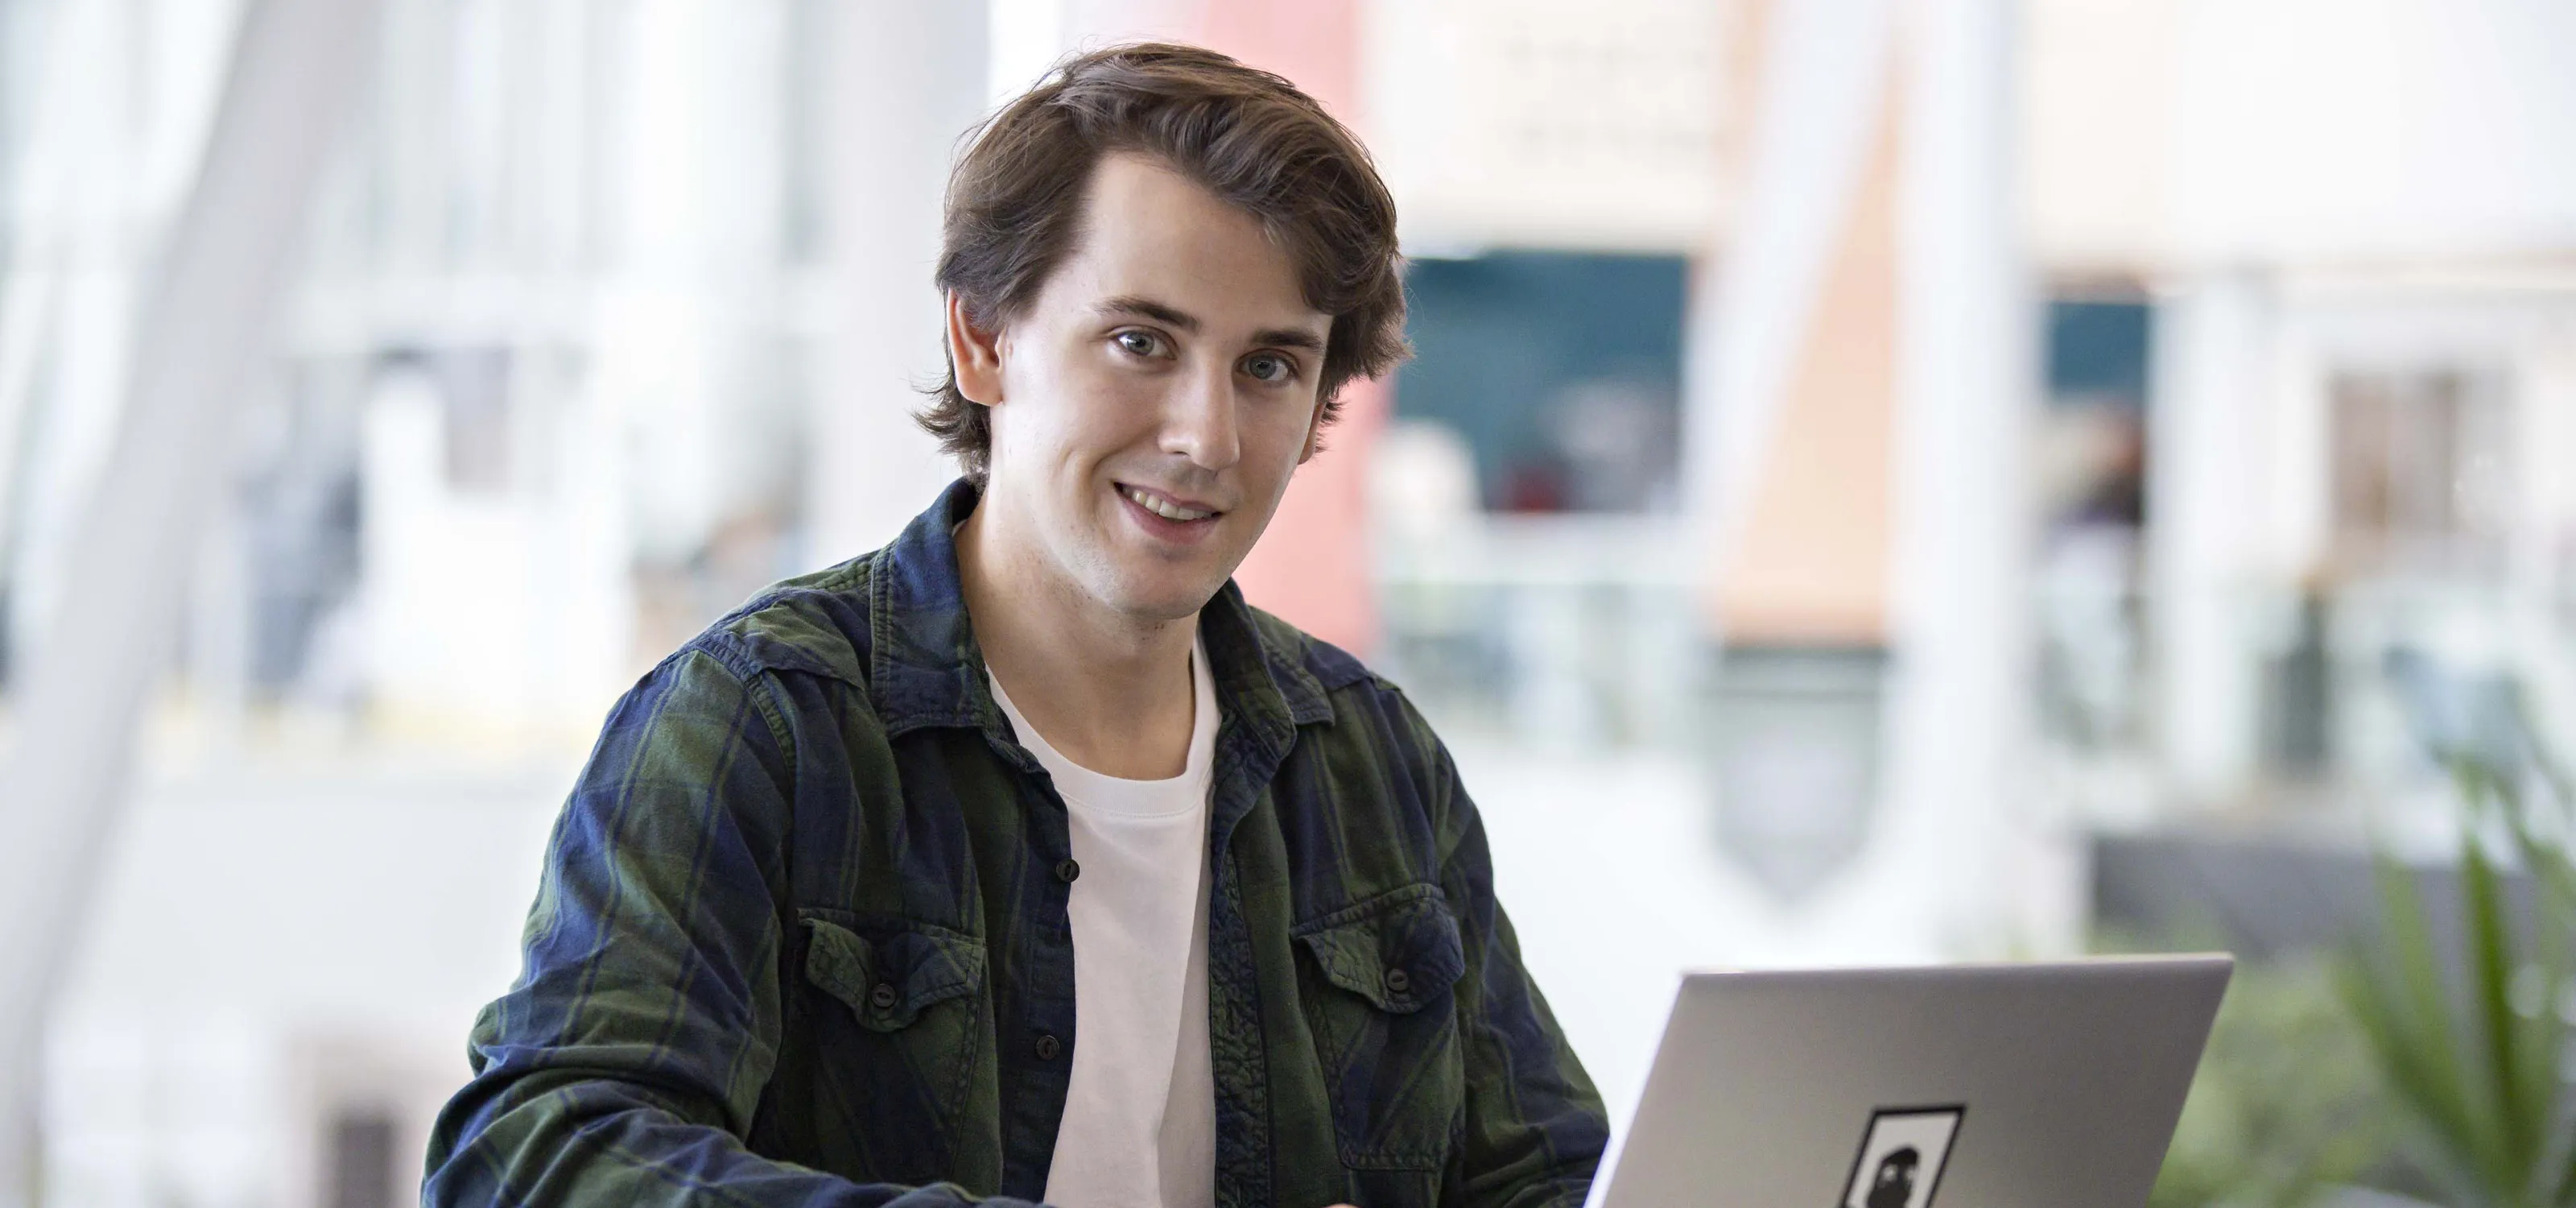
{"type": "Point", "coordinates": [1248, 136]}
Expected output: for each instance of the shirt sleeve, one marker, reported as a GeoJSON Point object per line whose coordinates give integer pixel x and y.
{"type": "Point", "coordinates": [625, 1064]}
{"type": "Point", "coordinates": [1535, 1127]}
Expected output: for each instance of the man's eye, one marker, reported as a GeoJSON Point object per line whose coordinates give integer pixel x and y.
{"type": "Point", "coordinates": [1138, 343]}
{"type": "Point", "coordinates": [1268, 367]}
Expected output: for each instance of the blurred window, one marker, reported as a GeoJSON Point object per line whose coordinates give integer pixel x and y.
{"type": "Point", "coordinates": [2092, 439]}
{"type": "Point", "coordinates": [2090, 451]}
{"type": "Point", "coordinates": [2098, 350]}
{"type": "Point", "coordinates": [2419, 473]}
{"type": "Point", "coordinates": [1562, 370]}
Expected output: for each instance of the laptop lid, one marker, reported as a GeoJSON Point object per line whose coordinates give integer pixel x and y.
{"type": "Point", "coordinates": [1988, 1086]}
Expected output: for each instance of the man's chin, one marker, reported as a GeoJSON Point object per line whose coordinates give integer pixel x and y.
{"type": "Point", "coordinates": [1162, 601]}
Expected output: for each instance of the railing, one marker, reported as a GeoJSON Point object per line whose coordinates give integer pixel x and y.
{"type": "Point", "coordinates": [1576, 631]}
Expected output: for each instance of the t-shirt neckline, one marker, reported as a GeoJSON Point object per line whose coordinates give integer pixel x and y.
{"type": "Point", "coordinates": [1120, 795]}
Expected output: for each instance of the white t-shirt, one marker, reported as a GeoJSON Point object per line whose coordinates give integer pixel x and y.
{"type": "Point", "coordinates": [1140, 1115]}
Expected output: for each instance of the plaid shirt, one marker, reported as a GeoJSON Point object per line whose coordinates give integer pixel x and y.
{"type": "Point", "coordinates": [801, 937]}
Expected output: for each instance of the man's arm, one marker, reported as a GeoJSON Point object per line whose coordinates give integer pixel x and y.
{"type": "Point", "coordinates": [1535, 1125]}
{"type": "Point", "coordinates": [624, 1066]}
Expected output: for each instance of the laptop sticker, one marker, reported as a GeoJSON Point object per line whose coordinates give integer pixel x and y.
{"type": "Point", "coordinates": [1901, 1156]}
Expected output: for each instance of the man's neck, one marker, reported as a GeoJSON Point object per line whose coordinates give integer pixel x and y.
{"type": "Point", "coordinates": [1108, 691]}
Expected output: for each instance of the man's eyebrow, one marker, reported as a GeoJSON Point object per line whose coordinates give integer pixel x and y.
{"type": "Point", "coordinates": [1147, 308]}
{"type": "Point", "coordinates": [1291, 337]}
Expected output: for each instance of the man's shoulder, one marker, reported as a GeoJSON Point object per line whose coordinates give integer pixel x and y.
{"type": "Point", "coordinates": [1354, 691]}
{"type": "Point", "coordinates": [1333, 668]}
{"type": "Point", "coordinates": [1369, 768]}
{"type": "Point", "coordinates": [815, 623]}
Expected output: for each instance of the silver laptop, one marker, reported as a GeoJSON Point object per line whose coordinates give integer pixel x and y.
{"type": "Point", "coordinates": [1993, 1086]}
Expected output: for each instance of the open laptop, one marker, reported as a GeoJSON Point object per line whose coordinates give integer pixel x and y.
{"type": "Point", "coordinates": [1991, 1086]}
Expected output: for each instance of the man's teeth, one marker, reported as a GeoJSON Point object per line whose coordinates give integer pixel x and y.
{"type": "Point", "coordinates": [1162, 507]}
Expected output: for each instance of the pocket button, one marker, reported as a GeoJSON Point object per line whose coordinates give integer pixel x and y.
{"type": "Point", "coordinates": [1397, 982]}
{"type": "Point", "coordinates": [883, 996]}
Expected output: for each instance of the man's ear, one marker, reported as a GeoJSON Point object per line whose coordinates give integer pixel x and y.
{"type": "Point", "coordinates": [975, 355]}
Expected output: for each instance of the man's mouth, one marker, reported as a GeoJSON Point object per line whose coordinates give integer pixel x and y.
{"type": "Point", "coordinates": [1164, 505]}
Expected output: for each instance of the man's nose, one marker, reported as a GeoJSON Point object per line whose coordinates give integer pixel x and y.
{"type": "Point", "coordinates": [1200, 421]}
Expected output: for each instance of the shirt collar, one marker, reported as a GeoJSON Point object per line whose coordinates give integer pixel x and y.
{"type": "Point", "coordinates": [925, 668]}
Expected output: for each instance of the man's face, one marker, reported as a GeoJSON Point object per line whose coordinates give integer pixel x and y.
{"type": "Point", "coordinates": [1149, 407]}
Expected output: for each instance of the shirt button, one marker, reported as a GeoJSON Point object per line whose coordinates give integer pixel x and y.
{"type": "Point", "coordinates": [883, 996]}
{"type": "Point", "coordinates": [1048, 1046]}
{"type": "Point", "coordinates": [1397, 982]}
{"type": "Point", "coordinates": [1067, 870]}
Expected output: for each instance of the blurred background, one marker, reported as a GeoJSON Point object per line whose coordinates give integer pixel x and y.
{"type": "Point", "coordinates": [1882, 481]}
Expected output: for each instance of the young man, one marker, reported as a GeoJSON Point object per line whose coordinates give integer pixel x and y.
{"type": "Point", "coordinates": [1021, 860]}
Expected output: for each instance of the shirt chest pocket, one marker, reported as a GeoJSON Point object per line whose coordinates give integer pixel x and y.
{"type": "Point", "coordinates": [898, 1028]}
{"type": "Point", "coordinates": [1381, 998]}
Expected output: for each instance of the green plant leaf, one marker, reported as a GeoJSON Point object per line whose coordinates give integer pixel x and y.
{"type": "Point", "coordinates": [2404, 1008]}
{"type": "Point", "coordinates": [2513, 1151]}
{"type": "Point", "coordinates": [2409, 1065]}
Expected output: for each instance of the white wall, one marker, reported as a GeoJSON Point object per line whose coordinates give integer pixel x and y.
{"type": "Point", "coordinates": [271, 940]}
{"type": "Point", "coordinates": [2229, 131]}
{"type": "Point", "coordinates": [907, 80]}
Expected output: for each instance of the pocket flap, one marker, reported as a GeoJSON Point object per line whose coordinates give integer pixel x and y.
{"type": "Point", "coordinates": [1399, 950]}
{"type": "Point", "coordinates": [887, 973]}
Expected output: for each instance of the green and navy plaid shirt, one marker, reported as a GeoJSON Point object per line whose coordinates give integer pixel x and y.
{"type": "Point", "coordinates": [801, 937]}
